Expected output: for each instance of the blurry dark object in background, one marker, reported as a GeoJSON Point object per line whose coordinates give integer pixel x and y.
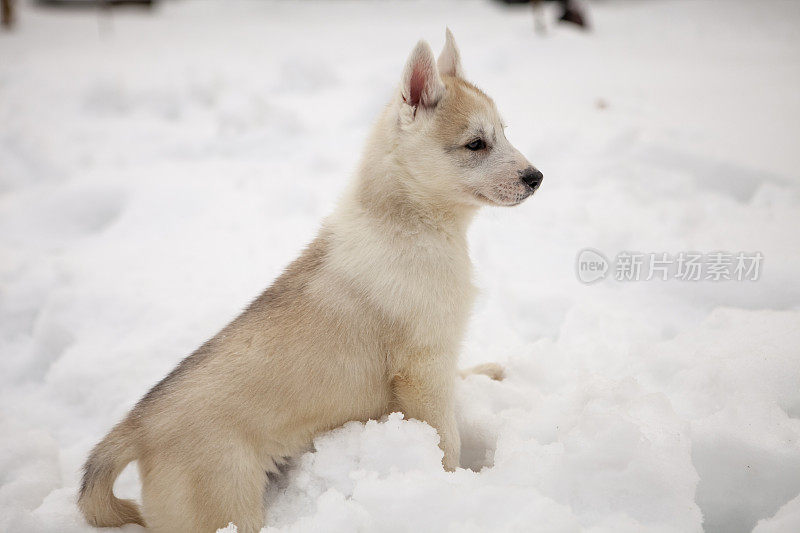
{"type": "Point", "coordinates": [6, 13]}
{"type": "Point", "coordinates": [95, 3]}
{"type": "Point", "coordinates": [7, 6]}
{"type": "Point", "coordinates": [571, 12]}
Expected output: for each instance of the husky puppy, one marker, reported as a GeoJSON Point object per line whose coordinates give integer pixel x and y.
{"type": "Point", "coordinates": [367, 321]}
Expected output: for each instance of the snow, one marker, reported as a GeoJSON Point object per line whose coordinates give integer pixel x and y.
{"type": "Point", "coordinates": [158, 169]}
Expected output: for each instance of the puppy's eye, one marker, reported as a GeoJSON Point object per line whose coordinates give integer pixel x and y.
{"type": "Point", "coordinates": [475, 145]}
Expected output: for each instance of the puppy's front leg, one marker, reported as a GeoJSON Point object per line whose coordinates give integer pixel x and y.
{"type": "Point", "coordinates": [424, 390]}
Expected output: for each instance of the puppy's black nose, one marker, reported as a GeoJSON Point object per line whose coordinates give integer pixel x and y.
{"type": "Point", "coordinates": [531, 177]}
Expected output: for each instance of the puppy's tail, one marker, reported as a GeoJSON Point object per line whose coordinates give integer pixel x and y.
{"type": "Point", "coordinates": [96, 500]}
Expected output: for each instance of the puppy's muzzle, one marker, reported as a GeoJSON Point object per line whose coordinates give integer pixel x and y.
{"type": "Point", "coordinates": [531, 177]}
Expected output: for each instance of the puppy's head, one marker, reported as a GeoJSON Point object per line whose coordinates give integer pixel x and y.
{"type": "Point", "coordinates": [451, 136]}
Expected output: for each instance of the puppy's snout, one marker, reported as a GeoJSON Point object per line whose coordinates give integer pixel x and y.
{"type": "Point", "coordinates": [531, 177]}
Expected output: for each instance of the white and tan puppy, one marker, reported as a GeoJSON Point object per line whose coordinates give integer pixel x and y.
{"type": "Point", "coordinates": [367, 321]}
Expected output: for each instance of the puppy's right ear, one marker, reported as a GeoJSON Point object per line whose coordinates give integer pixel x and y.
{"type": "Point", "coordinates": [450, 58]}
{"type": "Point", "coordinates": [421, 86]}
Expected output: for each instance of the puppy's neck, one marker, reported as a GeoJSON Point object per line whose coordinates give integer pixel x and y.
{"type": "Point", "coordinates": [385, 200]}
{"type": "Point", "coordinates": [388, 194]}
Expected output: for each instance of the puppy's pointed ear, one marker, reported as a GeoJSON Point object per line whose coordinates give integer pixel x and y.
{"type": "Point", "coordinates": [421, 86]}
{"type": "Point", "coordinates": [450, 58]}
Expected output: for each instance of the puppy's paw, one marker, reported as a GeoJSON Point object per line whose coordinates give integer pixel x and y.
{"type": "Point", "coordinates": [491, 370]}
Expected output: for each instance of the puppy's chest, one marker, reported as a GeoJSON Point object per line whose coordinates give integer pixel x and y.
{"type": "Point", "coordinates": [427, 288]}
{"type": "Point", "coordinates": [433, 284]}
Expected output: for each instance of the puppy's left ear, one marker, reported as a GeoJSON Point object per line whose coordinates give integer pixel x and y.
{"type": "Point", "coordinates": [450, 59]}
{"type": "Point", "coordinates": [421, 86]}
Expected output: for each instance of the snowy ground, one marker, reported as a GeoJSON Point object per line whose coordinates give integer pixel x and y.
{"type": "Point", "coordinates": [158, 169]}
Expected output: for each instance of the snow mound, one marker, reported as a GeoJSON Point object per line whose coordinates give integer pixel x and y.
{"type": "Point", "coordinates": [159, 168]}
